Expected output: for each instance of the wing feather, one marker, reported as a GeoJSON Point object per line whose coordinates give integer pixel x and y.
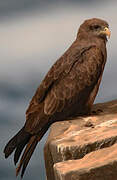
{"type": "Point", "coordinates": [59, 70]}
{"type": "Point", "coordinates": [64, 84]}
{"type": "Point", "coordinates": [82, 75]}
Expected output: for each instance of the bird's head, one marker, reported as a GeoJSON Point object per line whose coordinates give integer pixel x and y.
{"type": "Point", "coordinates": [94, 28]}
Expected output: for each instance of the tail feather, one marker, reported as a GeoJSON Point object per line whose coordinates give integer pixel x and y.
{"type": "Point", "coordinates": [27, 155]}
{"type": "Point", "coordinates": [18, 142]}
{"type": "Point", "coordinates": [29, 151]}
{"type": "Point", "coordinates": [10, 147]}
{"type": "Point", "coordinates": [28, 158]}
{"type": "Point", "coordinates": [15, 141]}
{"type": "Point", "coordinates": [19, 149]}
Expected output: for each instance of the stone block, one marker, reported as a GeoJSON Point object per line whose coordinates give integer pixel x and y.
{"type": "Point", "coordinates": [97, 165]}
{"type": "Point", "coordinates": [73, 138]}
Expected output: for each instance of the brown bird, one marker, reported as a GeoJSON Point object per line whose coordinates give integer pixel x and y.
{"type": "Point", "coordinates": [68, 89]}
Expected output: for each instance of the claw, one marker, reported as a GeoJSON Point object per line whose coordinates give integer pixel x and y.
{"type": "Point", "coordinates": [97, 111]}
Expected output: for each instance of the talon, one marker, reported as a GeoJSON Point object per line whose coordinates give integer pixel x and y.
{"type": "Point", "coordinates": [93, 112]}
{"type": "Point", "coordinates": [97, 111]}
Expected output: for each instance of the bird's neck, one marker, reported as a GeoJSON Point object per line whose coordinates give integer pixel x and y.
{"type": "Point", "coordinates": [91, 40]}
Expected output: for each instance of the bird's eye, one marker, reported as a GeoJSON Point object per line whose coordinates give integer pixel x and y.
{"type": "Point", "coordinates": [96, 27]}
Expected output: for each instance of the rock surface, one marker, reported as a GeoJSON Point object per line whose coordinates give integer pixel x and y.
{"type": "Point", "coordinates": [97, 165]}
{"type": "Point", "coordinates": [74, 138]}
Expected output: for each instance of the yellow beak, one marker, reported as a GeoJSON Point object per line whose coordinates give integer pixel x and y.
{"type": "Point", "coordinates": [107, 32]}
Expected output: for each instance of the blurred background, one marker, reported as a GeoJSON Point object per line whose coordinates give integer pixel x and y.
{"type": "Point", "coordinates": [33, 34]}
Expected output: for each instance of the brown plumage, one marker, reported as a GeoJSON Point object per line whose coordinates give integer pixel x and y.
{"type": "Point", "coordinates": [68, 89]}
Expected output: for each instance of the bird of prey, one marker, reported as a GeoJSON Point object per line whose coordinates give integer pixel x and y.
{"type": "Point", "coordinates": [68, 89]}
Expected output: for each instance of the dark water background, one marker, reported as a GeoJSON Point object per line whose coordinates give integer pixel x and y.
{"type": "Point", "coordinates": [33, 34]}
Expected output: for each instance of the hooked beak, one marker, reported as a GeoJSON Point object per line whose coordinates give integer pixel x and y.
{"type": "Point", "coordinates": [106, 31]}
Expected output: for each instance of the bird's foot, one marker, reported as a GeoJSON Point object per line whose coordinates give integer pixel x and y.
{"type": "Point", "coordinates": [96, 112]}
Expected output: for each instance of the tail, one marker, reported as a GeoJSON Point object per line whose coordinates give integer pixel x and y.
{"type": "Point", "coordinates": [18, 142]}
{"type": "Point", "coordinates": [27, 155]}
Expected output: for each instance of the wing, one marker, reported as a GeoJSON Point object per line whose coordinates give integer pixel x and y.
{"type": "Point", "coordinates": [59, 70]}
{"type": "Point", "coordinates": [37, 110]}
{"type": "Point", "coordinates": [83, 75]}
{"type": "Point", "coordinates": [61, 91]}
